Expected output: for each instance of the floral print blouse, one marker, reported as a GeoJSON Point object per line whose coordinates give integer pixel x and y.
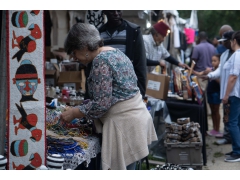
{"type": "Point", "coordinates": [112, 79]}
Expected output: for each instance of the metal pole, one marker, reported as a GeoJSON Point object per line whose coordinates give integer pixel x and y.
{"type": "Point", "coordinates": [3, 83]}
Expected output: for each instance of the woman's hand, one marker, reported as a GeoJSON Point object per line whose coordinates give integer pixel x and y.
{"type": "Point", "coordinates": [207, 70]}
{"type": "Point", "coordinates": [69, 114]}
{"type": "Point", "coordinates": [225, 99]}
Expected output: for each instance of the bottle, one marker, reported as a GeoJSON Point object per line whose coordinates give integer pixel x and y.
{"type": "Point", "coordinates": [157, 69]}
{"type": "Point", "coordinates": [71, 100]}
{"type": "Point", "coordinates": [171, 84]}
{"type": "Point", "coordinates": [57, 89]}
{"type": "Point", "coordinates": [52, 92]}
{"type": "Point", "coordinates": [68, 91]}
{"type": "Point", "coordinates": [145, 100]}
{"type": "Point", "coordinates": [184, 89]}
{"type": "Point", "coordinates": [64, 90]}
{"type": "Point", "coordinates": [64, 100]}
{"type": "Point", "coordinates": [82, 92]}
{"type": "Point", "coordinates": [47, 91]}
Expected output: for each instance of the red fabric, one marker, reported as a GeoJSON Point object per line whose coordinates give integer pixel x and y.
{"type": "Point", "coordinates": [20, 20]}
{"type": "Point", "coordinates": [161, 28]}
{"type": "Point", "coordinates": [26, 76]}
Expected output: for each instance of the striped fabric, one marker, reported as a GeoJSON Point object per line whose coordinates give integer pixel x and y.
{"type": "Point", "coordinates": [116, 40]}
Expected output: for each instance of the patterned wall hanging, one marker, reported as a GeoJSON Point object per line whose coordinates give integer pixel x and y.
{"type": "Point", "coordinates": [26, 93]}
{"type": "Point", "coordinates": [95, 17]}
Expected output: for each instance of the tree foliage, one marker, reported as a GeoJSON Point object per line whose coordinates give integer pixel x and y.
{"type": "Point", "coordinates": [210, 21]}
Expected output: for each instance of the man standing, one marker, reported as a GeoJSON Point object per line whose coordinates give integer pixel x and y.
{"type": "Point", "coordinates": [155, 51]}
{"type": "Point", "coordinates": [127, 37]}
{"type": "Point", "coordinates": [202, 55]}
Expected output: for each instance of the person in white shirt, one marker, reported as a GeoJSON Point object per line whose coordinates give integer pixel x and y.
{"type": "Point", "coordinates": [230, 94]}
{"type": "Point", "coordinates": [155, 51]}
{"type": "Point", "coordinates": [225, 32]}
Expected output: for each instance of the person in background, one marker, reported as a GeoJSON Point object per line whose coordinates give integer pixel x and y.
{"type": "Point", "coordinates": [215, 42]}
{"type": "Point", "coordinates": [127, 37]}
{"type": "Point", "coordinates": [226, 33]}
{"type": "Point", "coordinates": [220, 48]}
{"type": "Point", "coordinates": [213, 97]}
{"type": "Point", "coordinates": [230, 94]}
{"type": "Point", "coordinates": [115, 102]}
{"type": "Point", "coordinates": [202, 55]}
{"type": "Point", "coordinates": [155, 51]}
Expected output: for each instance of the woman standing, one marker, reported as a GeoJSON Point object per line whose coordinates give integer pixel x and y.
{"type": "Point", "coordinates": [230, 94]}
{"type": "Point", "coordinates": [115, 102]}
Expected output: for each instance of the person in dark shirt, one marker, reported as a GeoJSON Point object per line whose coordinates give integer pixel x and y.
{"type": "Point", "coordinates": [127, 37]}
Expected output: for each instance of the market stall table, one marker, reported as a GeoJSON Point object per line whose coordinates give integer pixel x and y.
{"type": "Point", "coordinates": [197, 113]}
{"type": "Point", "coordinates": [89, 154]}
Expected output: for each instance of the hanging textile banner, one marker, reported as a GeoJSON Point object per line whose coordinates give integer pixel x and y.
{"type": "Point", "coordinates": [26, 93]}
{"type": "Point", "coordinates": [95, 17]}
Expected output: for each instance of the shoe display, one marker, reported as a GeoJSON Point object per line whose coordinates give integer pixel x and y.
{"type": "Point", "coordinates": [233, 158]}
{"type": "Point", "coordinates": [222, 141]}
{"type": "Point", "coordinates": [229, 154]}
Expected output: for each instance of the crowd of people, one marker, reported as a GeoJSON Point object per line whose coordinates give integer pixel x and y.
{"type": "Point", "coordinates": [118, 58]}
{"type": "Point", "coordinates": [223, 87]}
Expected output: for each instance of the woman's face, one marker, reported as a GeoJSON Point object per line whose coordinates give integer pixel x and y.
{"type": "Point", "coordinates": [233, 44]}
{"type": "Point", "coordinates": [81, 55]}
{"type": "Point", "coordinates": [215, 62]}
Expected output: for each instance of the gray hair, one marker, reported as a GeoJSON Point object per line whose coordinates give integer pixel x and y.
{"type": "Point", "coordinates": [82, 35]}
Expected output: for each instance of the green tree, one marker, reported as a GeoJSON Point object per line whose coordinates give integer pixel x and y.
{"type": "Point", "coordinates": [210, 21]}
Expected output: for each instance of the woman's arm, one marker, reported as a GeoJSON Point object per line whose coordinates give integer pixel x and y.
{"type": "Point", "coordinates": [198, 73]}
{"type": "Point", "coordinates": [231, 82]}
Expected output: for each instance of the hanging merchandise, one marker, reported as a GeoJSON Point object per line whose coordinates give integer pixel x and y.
{"type": "Point", "coordinates": [193, 20]}
{"type": "Point", "coordinates": [190, 34]}
{"type": "Point", "coordinates": [171, 18]}
{"type": "Point", "coordinates": [26, 87]}
{"type": "Point", "coordinates": [95, 17]}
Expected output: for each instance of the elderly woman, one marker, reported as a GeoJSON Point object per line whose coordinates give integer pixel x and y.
{"type": "Point", "coordinates": [230, 94]}
{"type": "Point", "coordinates": [115, 102]}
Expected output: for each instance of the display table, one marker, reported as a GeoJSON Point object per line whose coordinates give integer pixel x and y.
{"type": "Point", "coordinates": [197, 113]}
{"type": "Point", "coordinates": [86, 157]}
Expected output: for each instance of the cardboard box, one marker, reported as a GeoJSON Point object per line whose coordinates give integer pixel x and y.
{"type": "Point", "coordinates": [157, 86]}
{"type": "Point", "coordinates": [72, 78]}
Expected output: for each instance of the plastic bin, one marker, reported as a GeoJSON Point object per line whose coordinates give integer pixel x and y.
{"type": "Point", "coordinates": [185, 153]}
